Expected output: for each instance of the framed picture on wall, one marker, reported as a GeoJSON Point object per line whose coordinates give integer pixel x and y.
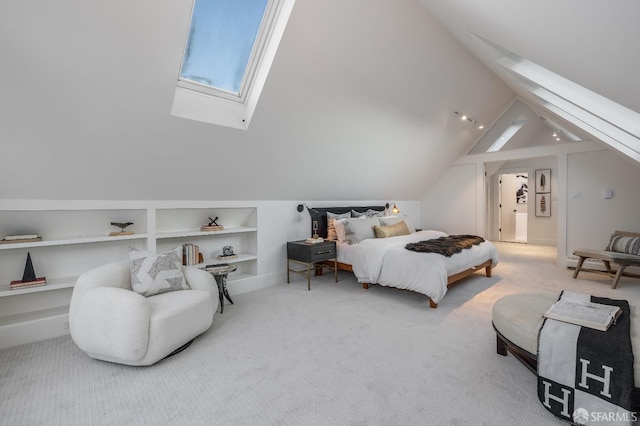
{"type": "Point", "coordinates": [543, 180]}
{"type": "Point", "coordinates": [543, 205]}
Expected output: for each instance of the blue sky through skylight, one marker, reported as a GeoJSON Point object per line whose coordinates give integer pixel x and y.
{"type": "Point", "coordinates": [221, 38]}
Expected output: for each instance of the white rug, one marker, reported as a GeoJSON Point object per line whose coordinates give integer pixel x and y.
{"type": "Point", "coordinates": [337, 354]}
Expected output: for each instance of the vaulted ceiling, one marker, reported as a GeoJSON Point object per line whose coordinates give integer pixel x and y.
{"type": "Point", "coordinates": [573, 61]}
{"type": "Point", "coordinates": [359, 103]}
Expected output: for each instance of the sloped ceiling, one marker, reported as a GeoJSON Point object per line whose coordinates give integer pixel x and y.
{"type": "Point", "coordinates": [358, 105]}
{"type": "Point", "coordinates": [590, 43]}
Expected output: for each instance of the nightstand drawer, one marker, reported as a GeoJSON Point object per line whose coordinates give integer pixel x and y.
{"type": "Point", "coordinates": [325, 252]}
{"type": "Point", "coordinates": [311, 252]}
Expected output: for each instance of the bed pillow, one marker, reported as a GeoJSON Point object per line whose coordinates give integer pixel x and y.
{"type": "Point", "coordinates": [624, 244]}
{"type": "Point", "coordinates": [368, 213]}
{"type": "Point", "coordinates": [340, 232]}
{"type": "Point", "coordinates": [156, 273]}
{"type": "Point", "coordinates": [331, 218]}
{"type": "Point", "coordinates": [358, 230]}
{"type": "Point", "coordinates": [392, 220]}
{"type": "Point", "coordinates": [395, 230]}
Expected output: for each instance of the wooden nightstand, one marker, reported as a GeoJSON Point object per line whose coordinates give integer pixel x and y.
{"type": "Point", "coordinates": [309, 254]}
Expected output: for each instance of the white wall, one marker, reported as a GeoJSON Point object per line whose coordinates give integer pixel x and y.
{"type": "Point", "coordinates": [591, 217]}
{"type": "Point", "coordinates": [450, 205]}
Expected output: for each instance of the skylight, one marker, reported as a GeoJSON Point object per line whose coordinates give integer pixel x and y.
{"type": "Point", "coordinates": [506, 135]}
{"type": "Point", "coordinates": [229, 50]}
{"type": "Point", "coordinates": [221, 39]}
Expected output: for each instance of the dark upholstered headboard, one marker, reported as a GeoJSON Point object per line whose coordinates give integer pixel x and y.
{"type": "Point", "coordinates": [321, 215]}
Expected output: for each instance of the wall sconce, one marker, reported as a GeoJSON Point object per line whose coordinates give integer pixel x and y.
{"type": "Point", "coordinates": [394, 210]}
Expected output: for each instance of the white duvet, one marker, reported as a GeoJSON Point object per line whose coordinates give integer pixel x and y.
{"type": "Point", "coordinates": [386, 262]}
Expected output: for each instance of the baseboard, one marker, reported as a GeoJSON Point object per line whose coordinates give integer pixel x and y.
{"type": "Point", "coordinates": [542, 241]}
{"type": "Point", "coordinates": [35, 330]}
{"type": "Point", "coordinates": [249, 283]}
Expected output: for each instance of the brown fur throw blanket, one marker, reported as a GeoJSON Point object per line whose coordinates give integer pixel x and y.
{"type": "Point", "coordinates": [446, 246]}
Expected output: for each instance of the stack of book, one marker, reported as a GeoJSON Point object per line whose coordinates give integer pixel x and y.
{"type": "Point", "coordinates": [191, 254]}
{"type": "Point", "coordinates": [18, 284]}
{"type": "Point", "coordinates": [24, 238]}
{"type": "Point", "coordinates": [211, 228]}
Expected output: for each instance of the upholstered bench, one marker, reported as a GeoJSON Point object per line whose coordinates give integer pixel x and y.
{"type": "Point", "coordinates": [517, 319]}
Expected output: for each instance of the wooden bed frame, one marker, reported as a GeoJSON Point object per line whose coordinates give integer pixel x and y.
{"type": "Point", "coordinates": [319, 214]}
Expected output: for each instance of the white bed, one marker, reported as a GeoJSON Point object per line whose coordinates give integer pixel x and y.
{"type": "Point", "coordinates": [386, 262]}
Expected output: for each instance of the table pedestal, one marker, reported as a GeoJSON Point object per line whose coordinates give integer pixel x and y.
{"type": "Point", "coordinates": [220, 274]}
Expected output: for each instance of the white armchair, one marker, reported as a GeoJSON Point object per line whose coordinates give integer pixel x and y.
{"type": "Point", "coordinates": [109, 321]}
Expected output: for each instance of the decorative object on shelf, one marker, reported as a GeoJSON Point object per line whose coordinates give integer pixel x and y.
{"type": "Point", "coordinates": [28, 277]}
{"type": "Point", "coordinates": [25, 238]}
{"type": "Point", "coordinates": [314, 240]}
{"type": "Point", "coordinates": [212, 226]}
{"type": "Point", "coordinates": [122, 232]}
{"type": "Point", "coordinates": [227, 253]}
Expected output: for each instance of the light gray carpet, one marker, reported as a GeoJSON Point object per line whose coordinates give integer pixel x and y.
{"type": "Point", "coordinates": [337, 354]}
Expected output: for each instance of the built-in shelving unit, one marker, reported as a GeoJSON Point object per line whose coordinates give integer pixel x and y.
{"type": "Point", "coordinates": [75, 238]}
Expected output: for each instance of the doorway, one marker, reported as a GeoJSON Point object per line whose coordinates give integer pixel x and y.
{"type": "Point", "coordinates": [513, 197]}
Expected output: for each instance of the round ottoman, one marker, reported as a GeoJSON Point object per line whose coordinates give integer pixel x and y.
{"type": "Point", "coordinates": [517, 319]}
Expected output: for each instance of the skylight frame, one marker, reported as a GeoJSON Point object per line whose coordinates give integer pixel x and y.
{"type": "Point", "coordinates": [255, 57]}
{"type": "Point", "coordinates": [199, 102]}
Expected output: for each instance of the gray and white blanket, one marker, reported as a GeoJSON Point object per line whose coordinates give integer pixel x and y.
{"type": "Point", "coordinates": [585, 376]}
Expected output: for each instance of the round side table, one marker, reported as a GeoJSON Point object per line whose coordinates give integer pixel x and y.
{"type": "Point", "coordinates": [220, 274]}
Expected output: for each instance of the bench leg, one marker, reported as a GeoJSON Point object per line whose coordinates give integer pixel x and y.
{"type": "Point", "coordinates": [618, 275]}
{"type": "Point", "coordinates": [607, 265]}
{"type": "Point", "coordinates": [487, 271]}
{"type": "Point", "coordinates": [578, 266]}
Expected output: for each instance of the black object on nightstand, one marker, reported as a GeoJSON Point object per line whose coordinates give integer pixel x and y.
{"type": "Point", "coordinates": [310, 254]}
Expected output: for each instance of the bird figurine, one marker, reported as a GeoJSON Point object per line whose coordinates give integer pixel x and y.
{"type": "Point", "coordinates": [121, 225]}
